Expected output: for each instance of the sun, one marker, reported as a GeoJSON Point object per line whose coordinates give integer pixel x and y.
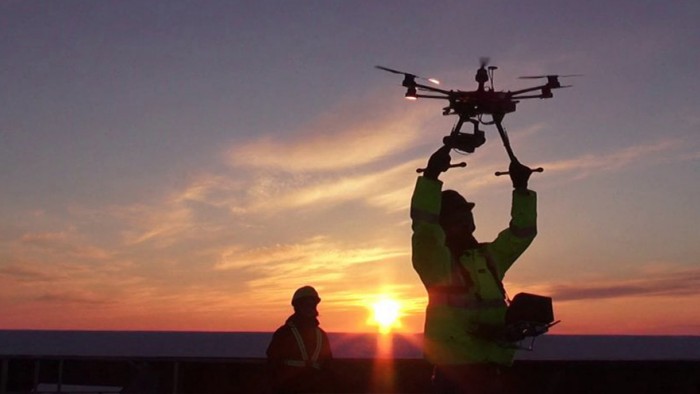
{"type": "Point", "coordinates": [385, 314]}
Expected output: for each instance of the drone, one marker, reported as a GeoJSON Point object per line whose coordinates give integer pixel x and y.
{"type": "Point", "coordinates": [471, 106]}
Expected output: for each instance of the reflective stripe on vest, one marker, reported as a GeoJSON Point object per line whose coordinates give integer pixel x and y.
{"type": "Point", "coordinates": [458, 294]}
{"type": "Point", "coordinates": [305, 361]}
{"type": "Point", "coordinates": [459, 297]}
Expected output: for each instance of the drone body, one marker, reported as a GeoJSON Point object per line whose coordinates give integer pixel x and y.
{"type": "Point", "coordinates": [482, 101]}
{"type": "Point", "coordinates": [470, 106]}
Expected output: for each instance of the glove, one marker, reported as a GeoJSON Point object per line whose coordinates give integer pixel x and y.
{"type": "Point", "coordinates": [519, 174]}
{"type": "Point", "coordinates": [438, 162]}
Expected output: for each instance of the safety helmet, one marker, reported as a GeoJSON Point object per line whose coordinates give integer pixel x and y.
{"type": "Point", "coordinates": [305, 292]}
{"type": "Point", "coordinates": [452, 199]}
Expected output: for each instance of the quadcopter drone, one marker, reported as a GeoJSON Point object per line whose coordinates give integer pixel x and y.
{"type": "Point", "coordinates": [471, 106]}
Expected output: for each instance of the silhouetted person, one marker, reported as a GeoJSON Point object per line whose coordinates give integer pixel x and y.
{"type": "Point", "coordinates": [299, 352]}
{"type": "Point", "coordinates": [464, 335]}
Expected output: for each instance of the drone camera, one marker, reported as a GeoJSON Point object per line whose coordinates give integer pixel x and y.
{"type": "Point", "coordinates": [465, 142]}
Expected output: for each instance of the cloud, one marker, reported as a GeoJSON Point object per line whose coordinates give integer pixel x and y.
{"type": "Point", "coordinates": [325, 163]}
{"type": "Point", "coordinates": [152, 223]}
{"type": "Point", "coordinates": [351, 136]}
{"type": "Point", "coordinates": [309, 255]}
{"type": "Point", "coordinates": [273, 271]}
{"type": "Point", "coordinates": [24, 273]}
{"type": "Point", "coordinates": [58, 283]}
{"type": "Point", "coordinates": [681, 283]}
{"type": "Point", "coordinates": [587, 164]}
{"type": "Point", "coordinates": [690, 156]}
{"type": "Point", "coordinates": [373, 187]}
{"type": "Point", "coordinates": [72, 297]}
{"type": "Point", "coordinates": [64, 243]}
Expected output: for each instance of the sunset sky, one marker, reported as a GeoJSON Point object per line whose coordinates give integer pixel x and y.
{"type": "Point", "coordinates": [186, 165]}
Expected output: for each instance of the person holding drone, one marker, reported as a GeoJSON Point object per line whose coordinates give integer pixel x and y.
{"type": "Point", "coordinates": [465, 334]}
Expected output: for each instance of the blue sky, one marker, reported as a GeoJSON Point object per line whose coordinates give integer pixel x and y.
{"type": "Point", "coordinates": [187, 165]}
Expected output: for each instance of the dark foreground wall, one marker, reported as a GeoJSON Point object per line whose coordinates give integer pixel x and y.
{"type": "Point", "coordinates": [21, 375]}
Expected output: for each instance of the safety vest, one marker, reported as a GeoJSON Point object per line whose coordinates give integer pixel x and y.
{"type": "Point", "coordinates": [459, 294]}
{"type": "Point", "coordinates": [305, 361]}
{"type": "Point", "coordinates": [458, 310]}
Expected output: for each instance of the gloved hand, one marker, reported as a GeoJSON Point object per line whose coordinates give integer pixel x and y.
{"type": "Point", "coordinates": [438, 162]}
{"type": "Point", "coordinates": [519, 174]}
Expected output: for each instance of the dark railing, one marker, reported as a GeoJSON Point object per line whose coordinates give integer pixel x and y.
{"type": "Point", "coordinates": [199, 363]}
{"type": "Point", "coordinates": [198, 376]}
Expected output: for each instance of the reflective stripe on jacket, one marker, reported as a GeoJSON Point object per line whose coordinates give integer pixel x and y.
{"type": "Point", "coordinates": [458, 312]}
{"type": "Point", "coordinates": [305, 361]}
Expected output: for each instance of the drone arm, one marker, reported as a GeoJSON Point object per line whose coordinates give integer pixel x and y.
{"type": "Point", "coordinates": [431, 88]}
{"type": "Point", "coordinates": [540, 96]}
{"type": "Point", "coordinates": [497, 118]}
{"type": "Point", "coordinates": [431, 96]}
{"type": "Point", "coordinates": [521, 91]}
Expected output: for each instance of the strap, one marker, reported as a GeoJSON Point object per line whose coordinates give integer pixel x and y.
{"type": "Point", "coordinates": [445, 295]}
{"type": "Point", "coordinates": [466, 277]}
{"type": "Point", "coordinates": [456, 294]}
{"type": "Point", "coordinates": [491, 265]}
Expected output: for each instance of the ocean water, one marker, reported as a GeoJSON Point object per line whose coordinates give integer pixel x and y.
{"type": "Point", "coordinates": [247, 345]}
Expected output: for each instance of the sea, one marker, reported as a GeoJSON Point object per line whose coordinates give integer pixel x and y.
{"type": "Point", "coordinates": [252, 345]}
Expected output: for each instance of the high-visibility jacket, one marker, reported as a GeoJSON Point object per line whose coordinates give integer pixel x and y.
{"type": "Point", "coordinates": [297, 354]}
{"type": "Point", "coordinates": [466, 309]}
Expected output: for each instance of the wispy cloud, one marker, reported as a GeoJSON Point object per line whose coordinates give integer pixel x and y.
{"type": "Point", "coordinates": [332, 161]}
{"type": "Point", "coordinates": [586, 165]}
{"type": "Point", "coordinates": [19, 272]}
{"type": "Point", "coordinates": [354, 134]}
{"type": "Point", "coordinates": [375, 188]}
{"type": "Point", "coordinates": [64, 243]}
{"type": "Point", "coordinates": [309, 255]}
{"type": "Point", "coordinates": [256, 191]}
{"type": "Point", "coordinates": [64, 297]}
{"type": "Point", "coordinates": [680, 283]}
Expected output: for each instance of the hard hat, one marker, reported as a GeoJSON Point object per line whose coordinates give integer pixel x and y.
{"type": "Point", "coordinates": [305, 292]}
{"type": "Point", "coordinates": [452, 199]}
{"type": "Point", "coordinates": [455, 209]}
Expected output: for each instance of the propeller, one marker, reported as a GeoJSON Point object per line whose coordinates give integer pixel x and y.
{"type": "Point", "coordinates": [550, 76]}
{"type": "Point", "coordinates": [409, 75]}
{"type": "Point", "coordinates": [484, 61]}
{"type": "Point", "coordinates": [552, 80]}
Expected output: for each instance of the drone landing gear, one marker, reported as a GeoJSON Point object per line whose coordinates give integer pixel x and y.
{"type": "Point", "coordinates": [467, 142]}
{"type": "Point", "coordinates": [497, 119]}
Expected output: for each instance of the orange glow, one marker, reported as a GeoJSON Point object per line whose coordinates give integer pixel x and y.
{"type": "Point", "coordinates": [411, 98]}
{"type": "Point", "coordinates": [385, 314]}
